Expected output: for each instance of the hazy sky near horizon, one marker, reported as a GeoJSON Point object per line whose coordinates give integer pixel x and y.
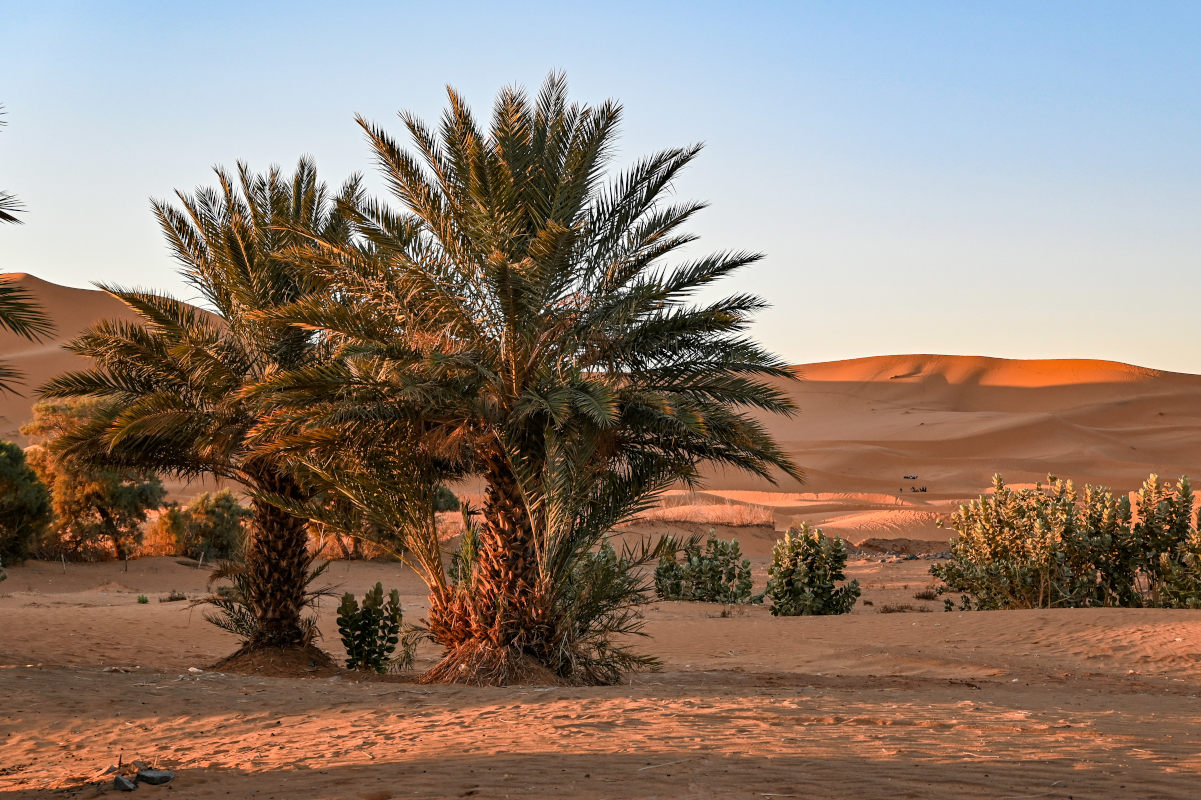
{"type": "Point", "coordinates": [1018, 179]}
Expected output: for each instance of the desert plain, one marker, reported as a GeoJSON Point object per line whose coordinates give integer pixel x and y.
{"type": "Point", "coordinates": [1064, 703]}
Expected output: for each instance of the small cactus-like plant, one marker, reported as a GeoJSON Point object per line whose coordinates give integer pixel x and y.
{"type": "Point", "coordinates": [370, 632]}
{"type": "Point", "coordinates": [716, 574]}
{"type": "Point", "coordinates": [805, 570]}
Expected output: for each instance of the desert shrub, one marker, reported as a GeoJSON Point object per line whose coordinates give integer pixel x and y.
{"type": "Point", "coordinates": [929, 593]}
{"type": "Point", "coordinates": [98, 511]}
{"type": "Point", "coordinates": [805, 570]}
{"type": "Point", "coordinates": [230, 590]}
{"type": "Point", "coordinates": [371, 631]}
{"type": "Point", "coordinates": [24, 506]}
{"type": "Point", "coordinates": [210, 527]}
{"type": "Point", "coordinates": [445, 500]}
{"type": "Point", "coordinates": [1047, 547]}
{"type": "Point", "coordinates": [716, 574]}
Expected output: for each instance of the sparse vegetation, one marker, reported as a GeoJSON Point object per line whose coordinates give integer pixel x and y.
{"type": "Point", "coordinates": [25, 513]}
{"type": "Point", "coordinates": [143, 599]}
{"type": "Point", "coordinates": [371, 631]}
{"type": "Point", "coordinates": [805, 572]}
{"type": "Point", "coordinates": [929, 593]}
{"type": "Point", "coordinates": [231, 589]}
{"type": "Point", "coordinates": [1047, 547]}
{"type": "Point", "coordinates": [715, 574]}
{"type": "Point", "coordinates": [902, 608]}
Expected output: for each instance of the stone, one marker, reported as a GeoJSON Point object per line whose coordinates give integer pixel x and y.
{"type": "Point", "coordinates": [124, 784]}
{"type": "Point", "coordinates": [155, 777]}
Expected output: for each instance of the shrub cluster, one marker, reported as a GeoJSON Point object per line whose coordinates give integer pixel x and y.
{"type": "Point", "coordinates": [806, 568]}
{"type": "Point", "coordinates": [210, 527]}
{"type": "Point", "coordinates": [1048, 547]}
{"type": "Point", "coordinates": [370, 632]}
{"type": "Point", "coordinates": [716, 574]}
{"type": "Point", "coordinates": [25, 513]}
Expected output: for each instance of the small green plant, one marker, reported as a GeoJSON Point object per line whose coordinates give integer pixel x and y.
{"type": "Point", "coordinates": [716, 574]}
{"type": "Point", "coordinates": [805, 570]}
{"type": "Point", "coordinates": [143, 599]}
{"type": "Point", "coordinates": [371, 632]}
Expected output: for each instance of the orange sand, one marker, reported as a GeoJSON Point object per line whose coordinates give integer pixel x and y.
{"type": "Point", "coordinates": [1024, 704]}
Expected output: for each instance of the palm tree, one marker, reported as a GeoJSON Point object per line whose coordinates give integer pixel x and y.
{"type": "Point", "coordinates": [172, 382]}
{"type": "Point", "coordinates": [517, 319]}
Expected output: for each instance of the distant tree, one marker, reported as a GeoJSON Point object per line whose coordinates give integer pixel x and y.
{"type": "Point", "coordinates": [24, 506]}
{"type": "Point", "coordinates": [94, 506]}
{"type": "Point", "coordinates": [211, 526]}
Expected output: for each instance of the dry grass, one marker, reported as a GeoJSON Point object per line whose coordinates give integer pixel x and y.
{"type": "Point", "coordinates": [678, 509]}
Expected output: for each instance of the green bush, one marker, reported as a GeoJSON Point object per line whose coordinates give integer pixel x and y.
{"type": "Point", "coordinates": [370, 632]}
{"type": "Point", "coordinates": [210, 527]}
{"type": "Point", "coordinates": [25, 513]}
{"type": "Point", "coordinates": [717, 574]}
{"type": "Point", "coordinates": [445, 500]}
{"type": "Point", "coordinates": [1047, 547]}
{"type": "Point", "coordinates": [806, 568]}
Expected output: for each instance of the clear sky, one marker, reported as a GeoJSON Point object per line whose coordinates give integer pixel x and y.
{"type": "Point", "coordinates": [1018, 179]}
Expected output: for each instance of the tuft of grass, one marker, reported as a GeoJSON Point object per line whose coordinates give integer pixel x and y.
{"type": "Point", "coordinates": [902, 608]}
{"type": "Point", "coordinates": [926, 594]}
{"type": "Point", "coordinates": [143, 599]}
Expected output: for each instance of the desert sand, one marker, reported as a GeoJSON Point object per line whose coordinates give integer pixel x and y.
{"type": "Point", "coordinates": [1015, 704]}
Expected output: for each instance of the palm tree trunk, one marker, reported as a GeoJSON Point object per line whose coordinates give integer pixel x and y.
{"type": "Point", "coordinates": [277, 563]}
{"type": "Point", "coordinates": [495, 626]}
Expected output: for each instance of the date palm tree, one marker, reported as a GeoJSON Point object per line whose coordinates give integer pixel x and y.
{"type": "Point", "coordinates": [172, 381]}
{"type": "Point", "coordinates": [517, 318]}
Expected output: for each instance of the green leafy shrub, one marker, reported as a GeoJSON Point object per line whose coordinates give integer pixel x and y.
{"type": "Point", "coordinates": [445, 500]}
{"type": "Point", "coordinates": [25, 513]}
{"type": "Point", "coordinates": [371, 632]}
{"type": "Point", "coordinates": [716, 574]}
{"type": "Point", "coordinates": [210, 527]}
{"type": "Point", "coordinates": [1047, 547]}
{"type": "Point", "coordinates": [806, 568]}
{"type": "Point", "coordinates": [143, 599]}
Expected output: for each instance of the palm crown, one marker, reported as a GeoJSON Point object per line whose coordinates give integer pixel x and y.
{"type": "Point", "coordinates": [172, 380]}
{"type": "Point", "coordinates": [518, 320]}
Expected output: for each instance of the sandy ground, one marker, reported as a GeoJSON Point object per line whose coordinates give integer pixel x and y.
{"type": "Point", "coordinates": [1023, 704]}
{"type": "Point", "coordinates": [1055, 704]}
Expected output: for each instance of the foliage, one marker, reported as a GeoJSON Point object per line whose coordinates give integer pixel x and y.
{"type": "Point", "coordinates": [98, 510]}
{"type": "Point", "coordinates": [370, 632]}
{"type": "Point", "coordinates": [19, 314]}
{"type": "Point", "coordinates": [210, 527]}
{"type": "Point", "coordinates": [234, 605]}
{"type": "Point", "coordinates": [806, 567]}
{"type": "Point", "coordinates": [173, 384]}
{"type": "Point", "coordinates": [143, 599]}
{"type": "Point", "coordinates": [9, 204]}
{"type": "Point", "coordinates": [518, 319]}
{"type": "Point", "coordinates": [1047, 547]}
{"type": "Point", "coordinates": [717, 574]}
{"type": "Point", "coordinates": [445, 500]}
{"type": "Point", "coordinates": [25, 513]}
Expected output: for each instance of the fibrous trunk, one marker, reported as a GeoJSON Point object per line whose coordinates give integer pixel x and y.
{"type": "Point", "coordinates": [496, 624]}
{"type": "Point", "coordinates": [276, 564]}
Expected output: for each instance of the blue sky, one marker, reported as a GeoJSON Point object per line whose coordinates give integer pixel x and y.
{"type": "Point", "coordinates": [1008, 179]}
